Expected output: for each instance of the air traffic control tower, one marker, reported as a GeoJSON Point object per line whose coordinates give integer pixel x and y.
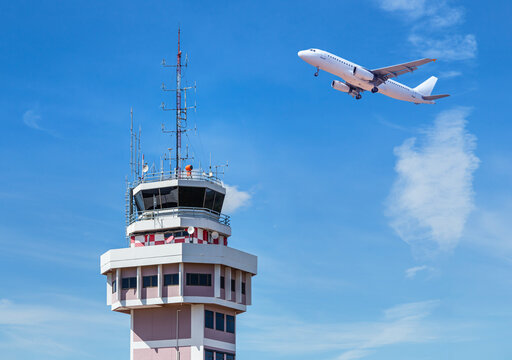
{"type": "Point", "coordinates": [178, 280]}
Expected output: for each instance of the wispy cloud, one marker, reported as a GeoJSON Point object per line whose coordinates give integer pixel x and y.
{"type": "Point", "coordinates": [32, 119]}
{"type": "Point", "coordinates": [490, 229]}
{"type": "Point", "coordinates": [429, 21]}
{"type": "Point", "coordinates": [48, 250]}
{"type": "Point", "coordinates": [405, 323]}
{"type": "Point", "coordinates": [411, 272]}
{"type": "Point", "coordinates": [450, 74]}
{"type": "Point", "coordinates": [433, 193]}
{"type": "Point", "coordinates": [453, 47]}
{"type": "Point", "coordinates": [235, 199]}
{"type": "Point", "coordinates": [54, 330]}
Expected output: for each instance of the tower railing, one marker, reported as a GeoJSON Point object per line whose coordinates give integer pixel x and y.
{"type": "Point", "coordinates": [171, 175]}
{"type": "Point", "coordinates": [180, 212]}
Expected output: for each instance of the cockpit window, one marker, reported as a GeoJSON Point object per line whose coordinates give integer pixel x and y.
{"type": "Point", "coordinates": [312, 50]}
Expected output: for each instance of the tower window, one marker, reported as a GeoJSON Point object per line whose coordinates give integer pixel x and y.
{"type": "Point", "coordinates": [199, 279]}
{"type": "Point", "coordinates": [129, 283]}
{"type": "Point", "coordinates": [232, 284]}
{"type": "Point", "coordinates": [208, 355]}
{"type": "Point", "coordinates": [243, 288]}
{"type": "Point", "coordinates": [219, 356]}
{"type": "Point", "coordinates": [219, 200]}
{"type": "Point", "coordinates": [230, 357]}
{"type": "Point", "coordinates": [171, 279]}
{"type": "Point", "coordinates": [190, 196]}
{"type": "Point", "coordinates": [150, 281]}
{"type": "Point", "coordinates": [114, 286]}
{"type": "Point", "coordinates": [209, 198]}
{"type": "Point", "coordinates": [230, 324]}
{"type": "Point", "coordinates": [219, 321]}
{"type": "Point", "coordinates": [208, 319]}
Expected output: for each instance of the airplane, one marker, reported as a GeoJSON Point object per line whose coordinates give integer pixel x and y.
{"type": "Point", "coordinates": [358, 79]}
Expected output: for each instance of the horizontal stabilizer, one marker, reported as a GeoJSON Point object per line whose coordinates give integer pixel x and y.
{"type": "Point", "coordinates": [434, 97]}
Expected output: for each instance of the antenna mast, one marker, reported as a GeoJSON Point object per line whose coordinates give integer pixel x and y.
{"type": "Point", "coordinates": [132, 155]}
{"type": "Point", "coordinates": [181, 112]}
{"type": "Point", "coordinates": [178, 104]}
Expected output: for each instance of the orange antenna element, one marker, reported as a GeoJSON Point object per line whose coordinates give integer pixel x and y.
{"type": "Point", "coordinates": [189, 169]}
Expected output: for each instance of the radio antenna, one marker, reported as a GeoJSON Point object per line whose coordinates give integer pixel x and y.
{"type": "Point", "coordinates": [181, 111]}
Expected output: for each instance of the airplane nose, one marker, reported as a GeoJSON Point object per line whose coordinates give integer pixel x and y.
{"type": "Point", "coordinates": [302, 54]}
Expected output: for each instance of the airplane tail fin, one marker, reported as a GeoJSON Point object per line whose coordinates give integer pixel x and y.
{"type": "Point", "coordinates": [426, 87]}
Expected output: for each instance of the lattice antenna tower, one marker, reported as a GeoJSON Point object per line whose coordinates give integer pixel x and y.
{"type": "Point", "coordinates": [181, 110]}
{"type": "Point", "coordinates": [135, 151]}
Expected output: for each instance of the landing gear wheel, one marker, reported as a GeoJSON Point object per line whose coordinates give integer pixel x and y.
{"type": "Point", "coordinates": [358, 96]}
{"type": "Point", "coordinates": [317, 70]}
{"type": "Point", "coordinates": [375, 89]}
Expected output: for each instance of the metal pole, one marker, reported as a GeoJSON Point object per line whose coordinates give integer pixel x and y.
{"type": "Point", "coordinates": [177, 334]}
{"type": "Point", "coordinates": [178, 105]}
{"type": "Point", "coordinates": [131, 146]}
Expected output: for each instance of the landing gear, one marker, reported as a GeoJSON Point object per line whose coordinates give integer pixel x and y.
{"type": "Point", "coordinates": [358, 96]}
{"type": "Point", "coordinates": [375, 89]}
{"type": "Point", "coordinates": [317, 70]}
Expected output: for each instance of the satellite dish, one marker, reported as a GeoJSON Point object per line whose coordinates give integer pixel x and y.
{"type": "Point", "coordinates": [191, 230]}
{"type": "Point", "coordinates": [145, 168]}
{"type": "Point", "coordinates": [215, 235]}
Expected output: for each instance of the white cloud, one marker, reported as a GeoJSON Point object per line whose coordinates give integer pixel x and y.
{"type": "Point", "coordinates": [354, 354]}
{"type": "Point", "coordinates": [433, 193]}
{"type": "Point", "coordinates": [436, 13]}
{"type": "Point", "coordinates": [54, 330]}
{"type": "Point", "coordinates": [450, 74]}
{"type": "Point", "coordinates": [405, 323]}
{"type": "Point", "coordinates": [411, 272]}
{"type": "Point", "coordinates": [235, 199]}
{"type": "Point", "coordinates": [450, 47]}
{"type": "Point", "coordinates": [490, 229]}
{"type": "Point", "coordinates": [31, 119]}
{"type": "Point", "coordinates": [410, 8]}
{"type": "Point", "coordinates": [428, 33]}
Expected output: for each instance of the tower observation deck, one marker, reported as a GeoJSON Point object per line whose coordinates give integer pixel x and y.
{"type": "Point", "coordinates": [178, 279]}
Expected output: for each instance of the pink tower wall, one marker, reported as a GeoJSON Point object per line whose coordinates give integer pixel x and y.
{"type": "Point", "coordinates": [160, 323]}
{"type": "Point", "coordinates": [170, 290]}
{"type": "Point", "coordinates": [128, 294]}
{"type": "Point", "coordinates": [150, 292]}
{"type": "Point", "coordinates": [198, 290]}
{"type": "Point", "coordinates": [161, 354]}
{"type": "Point", "coordinates": [217, 334]}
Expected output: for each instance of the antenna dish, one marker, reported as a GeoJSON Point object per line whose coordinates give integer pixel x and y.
{"type": "Point", "coordinates": [145, 168]}
{"type": "Point", "coordinates": [215, 235]}
{"type": "Point", "coordinates": [191, 230]}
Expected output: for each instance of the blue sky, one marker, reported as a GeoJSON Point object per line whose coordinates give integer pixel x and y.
{"type": "Point", "coordinates": [382, 228]}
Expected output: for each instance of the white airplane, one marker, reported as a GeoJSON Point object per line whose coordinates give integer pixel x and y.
{"type": "Point", "coordinates": [358, 79]}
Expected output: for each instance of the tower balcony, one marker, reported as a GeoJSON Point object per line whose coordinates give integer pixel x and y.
{"type": "Point", "coordinates": [156, 276]}
{"type": "Point", "coordinates": [179, 217]}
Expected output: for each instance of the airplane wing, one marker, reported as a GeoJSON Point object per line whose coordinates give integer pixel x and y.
{"type": "Point", "coordinates": [357, 88]}
{"type": "Point", "coordinates": [393, 71]}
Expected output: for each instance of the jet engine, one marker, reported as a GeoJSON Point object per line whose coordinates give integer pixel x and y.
{"type": "Point", "coordinates": [363, 74]}
{"type": "Point", "coordinates": [340, 86]}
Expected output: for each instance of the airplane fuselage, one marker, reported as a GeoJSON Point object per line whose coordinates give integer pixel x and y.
{"type": "Point", "coordinates": [351, 73]}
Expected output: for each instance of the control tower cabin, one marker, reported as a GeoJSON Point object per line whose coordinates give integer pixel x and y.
{"type": "Point", "coordinates": [178, 279]}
